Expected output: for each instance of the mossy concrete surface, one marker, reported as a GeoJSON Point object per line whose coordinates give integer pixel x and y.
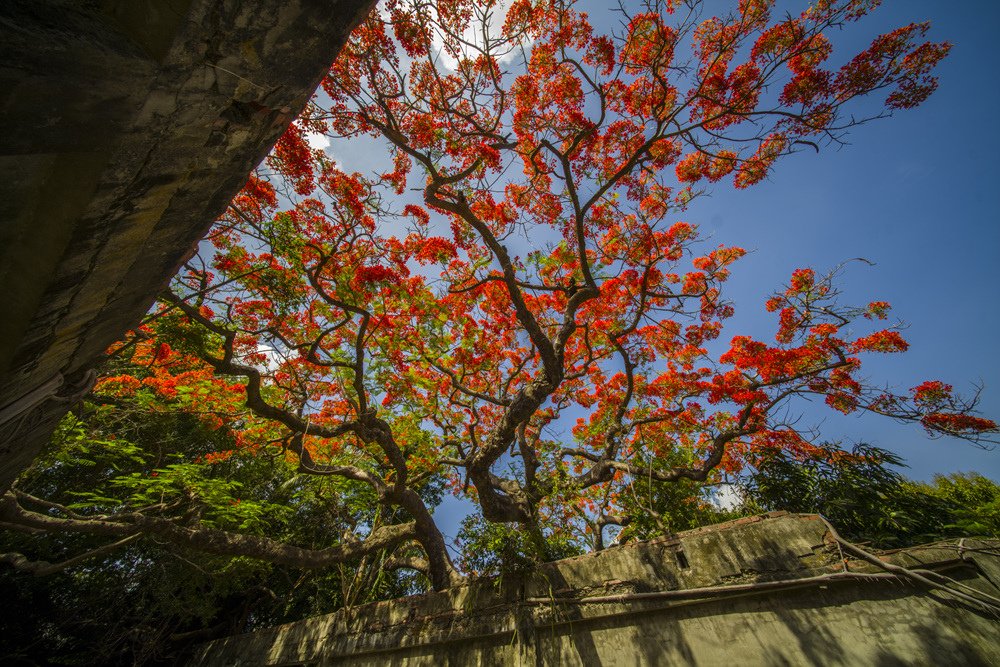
{"type": "Point", "coordinates": [677, 601]}
{"type": "Point", "coordinates": [128, 125]}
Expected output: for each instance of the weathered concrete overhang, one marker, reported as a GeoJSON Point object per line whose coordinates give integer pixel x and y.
{"type": "Point", "coordinates": [127, 126]}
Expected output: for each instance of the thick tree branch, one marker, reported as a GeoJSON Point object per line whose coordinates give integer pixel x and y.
{"type": "Point", "coordinates": [211, 540]}
{"type": "Point", "coordinates": [42, 568]}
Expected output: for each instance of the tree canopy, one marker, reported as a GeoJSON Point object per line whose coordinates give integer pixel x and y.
{"type": "Point", "coordinates": [513, 310]}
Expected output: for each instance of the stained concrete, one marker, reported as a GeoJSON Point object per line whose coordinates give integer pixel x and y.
{"type": "Point", "coordinates": [661, 603]}
{"type": "Point", "coordinates": [128, 125]}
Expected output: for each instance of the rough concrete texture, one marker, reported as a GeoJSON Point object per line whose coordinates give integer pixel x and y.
{"type": "Point", "coordinates": [570, 612]}
{"type": "Point", "coordinates": [128, 125]}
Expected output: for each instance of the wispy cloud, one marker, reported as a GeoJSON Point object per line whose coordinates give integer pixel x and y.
{"type": "Point", "coordinates": [317, 141]}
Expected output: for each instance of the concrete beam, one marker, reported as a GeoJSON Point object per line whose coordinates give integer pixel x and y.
{"type": "Point", "coordinates": [128, 125]}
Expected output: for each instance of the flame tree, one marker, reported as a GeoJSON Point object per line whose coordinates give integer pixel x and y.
{"type": "Point", "coordinates": [514, 306]}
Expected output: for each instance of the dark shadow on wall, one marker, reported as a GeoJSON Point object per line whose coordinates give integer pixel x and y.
{"type": "Point", "coordinates": [542, 620]}
{"type": "Point", "coordinates": [827, 624]}
{"type": "Point", "coordinates": [949, 650]}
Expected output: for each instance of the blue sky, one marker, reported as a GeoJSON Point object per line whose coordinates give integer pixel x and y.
{"type": "Point", "coordinates": [917, 195]}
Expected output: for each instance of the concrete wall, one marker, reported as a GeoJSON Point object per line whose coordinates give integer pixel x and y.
{"type": "Point", "coordinates": [127, 126]}
{"type": "Point", "coordinates": [647, 604]}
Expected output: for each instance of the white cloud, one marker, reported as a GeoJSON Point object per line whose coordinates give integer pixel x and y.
{"type": "Point", "coordinates": [726, 497]}
{"type": "Point", "coordinates": [317, 141]}
{"type": "Point", "coordinates": [474, 36]}
{"type": "Point", "coordinates": [272, 359]}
